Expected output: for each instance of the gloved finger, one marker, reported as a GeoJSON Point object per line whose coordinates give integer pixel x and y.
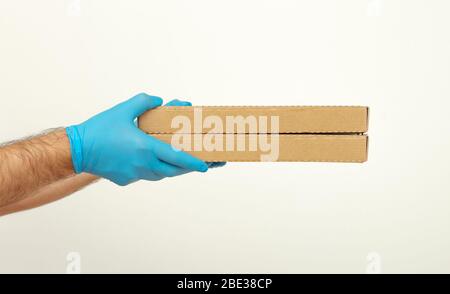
{"type": "Point", "coordinates": [177, 102]}
{"type": "Point", "coordinates": [166, 153]}
{"type": "Point", "coordinates": [151, 176]}
{"type": "Point", "coordinates": [167, 170]}
{"type": "Point", "coordinates": [215, 164]}
{"type": "Point", "coordinates": [124, 181]}
{"type": "Point", "coordinates": [174, 102]}
{"type": "Point", "coordinates": [139, 104]}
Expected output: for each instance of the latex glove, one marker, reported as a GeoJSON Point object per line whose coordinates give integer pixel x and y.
{"type": "Point", "coordinates": [111, 146]}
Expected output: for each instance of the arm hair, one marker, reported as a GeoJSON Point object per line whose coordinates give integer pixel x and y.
{"type": "Point", "coordinates": [30, 164]}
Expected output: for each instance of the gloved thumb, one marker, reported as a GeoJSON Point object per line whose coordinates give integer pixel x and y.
{"type": "Point", "coordinates": [139, 104]}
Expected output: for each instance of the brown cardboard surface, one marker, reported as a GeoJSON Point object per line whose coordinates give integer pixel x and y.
{"type": "Point", "coordinates": [292, 147]}
{"type": "Point", "coordinates": [292, 119]}
{"type": "Point", "coordinates": [263, 133]}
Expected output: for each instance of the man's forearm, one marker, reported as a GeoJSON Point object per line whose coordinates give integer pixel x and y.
{"type": "Point", "coordinates": [108, 145]}
{"type": "Point", "coordinates": [50, 193]}
{"type": "Point", "coordinates": [28, 165]}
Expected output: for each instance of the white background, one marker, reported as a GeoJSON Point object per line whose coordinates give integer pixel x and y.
{"type": "Point", "coordinates": [64, 61]}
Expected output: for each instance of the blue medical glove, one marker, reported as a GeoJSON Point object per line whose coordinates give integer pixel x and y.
{"type": "Point", "coordinates": [110, 145]}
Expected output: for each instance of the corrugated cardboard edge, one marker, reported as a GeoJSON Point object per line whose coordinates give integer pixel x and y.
{"type": "Point", "coordinates": [303, 151]}
{"type": "Point", "coordinates": [159, 124]}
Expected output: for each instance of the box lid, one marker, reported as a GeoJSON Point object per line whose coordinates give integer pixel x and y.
{"type": "Point", "coordinates": [242, 119]}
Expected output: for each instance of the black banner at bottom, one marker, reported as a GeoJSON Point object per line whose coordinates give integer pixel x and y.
{"type": "Point", "coordinates": [203, 283]}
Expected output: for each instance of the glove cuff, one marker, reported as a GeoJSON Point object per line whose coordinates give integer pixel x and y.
{"type": "Point", "coordinates": [76, 148]}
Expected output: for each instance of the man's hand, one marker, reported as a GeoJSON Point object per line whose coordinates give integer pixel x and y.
{"type": "Point", "coordinates": [110, 145]}
{"type": "Point", "coordinates": [41, 169]}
